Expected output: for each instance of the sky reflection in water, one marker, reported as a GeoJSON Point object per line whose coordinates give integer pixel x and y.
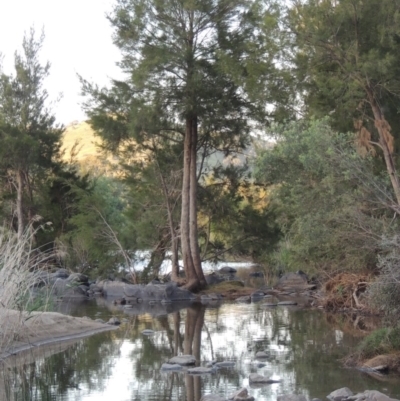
{"type": "Point", "coordinates": [304, 347]}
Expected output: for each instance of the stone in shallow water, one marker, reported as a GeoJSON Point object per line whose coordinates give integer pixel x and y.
{"type": "Point", "coordinates": [245, 298]}
{"type": "Point", "coordinates": [340, 394]}
{"type": "Point", "coordinates": [148, 332]}
{"type": "Point", "coordinates": [114, 321]}
{"type": "Point", "coordinates": [287, 303]}
{"type": "Point", "coordinates": [371, 395]}
{"type": "Point", "coordinates": [262, 355]}
{"type": "Point", "coordinates": [201, 370]}
{"type": "Point", "coordinates": [171, 366]}
{"type": "Point", "coordinates": [259, 379]}
{"type": "Point", "coordinates": [184, 360]}
{"type": "Point", "coordinates": [241, 395]}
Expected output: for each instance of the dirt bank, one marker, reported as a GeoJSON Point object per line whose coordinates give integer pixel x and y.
{"type": "Point", "coordinates": [21, 331]}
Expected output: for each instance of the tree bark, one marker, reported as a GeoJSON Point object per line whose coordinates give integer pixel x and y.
{"type": "Point", "coordinates": [194, 240]}
{"type": "Point", "coordinates": [192, 281]}
{"type": "Point", "coordinates": [174, 237]}
{"type": "Point", "coordinates": [20, 211]}
{"type": "Point", "coordinates": [387, 152]}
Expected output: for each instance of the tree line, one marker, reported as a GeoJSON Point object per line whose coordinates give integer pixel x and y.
{"type": "Point", "coordinates": [202, 78]}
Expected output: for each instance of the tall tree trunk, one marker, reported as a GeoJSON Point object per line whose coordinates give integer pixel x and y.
{"type": "Point", "coordinates": [385, 137]}
{"type": "Point", "coordinates": [192, 281]}
{"type": "Point", "coordinates": [174, 237]}
{"type": "Point", "coordinates": [20, 211]}
{"type": "Point", "coordinates": [194, 240]}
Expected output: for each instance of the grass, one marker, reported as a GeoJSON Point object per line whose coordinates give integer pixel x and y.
{"type": "Point", "coordinates": [20, 266]}
{"type": "Point", "coordinates": [382, 341]}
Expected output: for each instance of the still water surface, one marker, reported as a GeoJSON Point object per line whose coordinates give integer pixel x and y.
{"type": "Point", "coordinates": [124, 365]}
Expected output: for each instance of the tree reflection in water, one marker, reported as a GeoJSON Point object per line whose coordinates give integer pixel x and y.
{"type": "Point", "coordinates": [304, 346]}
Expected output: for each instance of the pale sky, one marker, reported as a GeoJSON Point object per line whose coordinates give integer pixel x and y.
{"type": "Point", "coordinates": [78, 40]}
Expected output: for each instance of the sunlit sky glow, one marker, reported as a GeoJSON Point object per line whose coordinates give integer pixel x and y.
{"type": "Point", "coordinates": [78, 41]}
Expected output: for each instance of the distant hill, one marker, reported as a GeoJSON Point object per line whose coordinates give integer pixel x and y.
{"type": "Point", "coordinates": [79, 139]}
{"type": "Point", "coordinates": [80, 145]}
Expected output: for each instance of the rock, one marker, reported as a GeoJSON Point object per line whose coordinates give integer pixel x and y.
{"type": "Point", "coordinates": [269, 305]}
{"type": "Point", "coordinates": [171, 366]}
{"type": "Point", "coordinates": [292, 281]}
{"type": "Point", "coordinates": [225, 364]}
{"type": "Point", "coordinates": [257, 295]}
{"type": "Point", "coordinates": [78, 278]}
{"type": "Point", "coordinates": [99, 320]}
{"type": "Point", "coordinates": [148, 332]}
{"type": "Point", "coordinates": [201, 370]}
{"type": "Point", "coordinates": [340, 394]}
{"type": "Point", "coordinates": [67, 290]}
{"type": "Point", "coordinates": [227, 270]}
{"type": "Point", "coordinates": [287, 303]}
{"type": "Point", "coordinates": [114, 321]}
{"type": "Point", "coordinates": [184, 360]}
{"type": "Point", "coordinates": [243, 299]}
{"type": "Point", "coordinates": [212, 397]}
{"type": "Point", "coordinates": [291, 397]}
{"type": "Point", "coordinates": [259, 379]}
{"type": "Point", "coordinates": [262, 355]}
{"type": "Point", "coordinates": [241, 395]}
{"type": "Point", "coordinates": [256, 274]}
{"type": "Point", "coordinates": [370, 395]}
{"type": "Point", "coordinates": [214, 278]}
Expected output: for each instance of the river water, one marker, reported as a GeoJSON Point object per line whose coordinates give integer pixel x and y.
{"type": "Point", "coordinates": [304, 346]}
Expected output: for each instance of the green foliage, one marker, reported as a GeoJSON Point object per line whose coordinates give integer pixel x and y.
{"type": "Point", "coordinates": [29, 136]}
{"type": "Point", "coordinates": [97, 228]}
{"type": "Point", "coordinates": [381, 341]}
{"type": "Point", "coordinates": [343, 50]}
{"type": "Point", "coordinates": [323, 193]}
{"type": "Point", "coordinates": [384, 293]}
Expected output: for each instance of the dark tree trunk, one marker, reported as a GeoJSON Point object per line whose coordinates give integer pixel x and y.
{"type": "Point", "coordinates": [192, 280]}
{"type": "Point", "coordinates": [20, 210]}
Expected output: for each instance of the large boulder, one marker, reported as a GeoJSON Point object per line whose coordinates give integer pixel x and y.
{"type": "Point", "coordinates": [214, 278]}
{"type": "Point", "coordinates": [152, 292]}
{"type": "Point", "coordinates": [67, 290]}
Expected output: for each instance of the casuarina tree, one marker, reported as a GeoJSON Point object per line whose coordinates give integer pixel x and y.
{"type": "Point", "coordinates": [194, 69]}
{"type": "Point", "coordinates": [29, 137]}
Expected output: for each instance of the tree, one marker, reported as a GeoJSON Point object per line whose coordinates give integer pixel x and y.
{"type": "Point", "coordinates": [331, 208]}
{"type": "Point", "coordinates": [195, 68]}
{"type": "Point", "coordinates": [28, 134]}
{"type": "Point", "coordinates": [348, 60]}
